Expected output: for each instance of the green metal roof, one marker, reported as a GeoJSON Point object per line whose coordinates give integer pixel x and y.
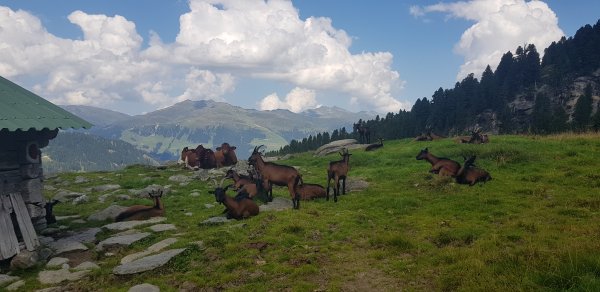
{"type": "Point", "coordinates": [21, 109]}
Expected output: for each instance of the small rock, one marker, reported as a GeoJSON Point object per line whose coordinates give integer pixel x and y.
{"type": "Point", "coordinates": [103, 198]}
{"type": "Point", "coordinates": [188, 214]}
{"type": "Point", "coordinates": [195, 194]}
{"type": "Point", "coordinates": [45, 240]}
{"type": "Point", "coordinates": [5, 279]}
{"type": "Point", "coordinates": [162, 227]}
{"type": "Point", "coordinates": [278, 204]}
{"type": "Point", "coordinates": [15, 286]}
{"type": "Point", "coordinates": [78, 221]}
{"type": "Point", "coordinates": [208, 206]}
{"type": "Point", "coordinates": [81, 200]}
{"type": "Point", "coordinates": [215, 220]}
{"type": "Point", "coordinates": [180, 178]}
{"type": "Point", "coordinates": [144, 288]}
{"type": "Point", "coordinates": [57, 262]}
{"type": "Point", "coordinates": [106, 188]}
{"type": "Point", "coordinates": [86, 266]}
{"type": "Point", "coordinates": [49, 188]}
{"type": "Point", "coordinates": [24, 260]}
{"type": "Point", "coordinates": [80, 180]}
{"type": "Point", "coordinates": [123, 197]}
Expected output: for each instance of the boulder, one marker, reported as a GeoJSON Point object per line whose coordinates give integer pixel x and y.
{"type": "Point", "coordinates": [144, 288]}
{"type": "Point", "coordinates": [337, 146]}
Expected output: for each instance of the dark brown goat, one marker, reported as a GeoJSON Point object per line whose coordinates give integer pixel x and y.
{"type": "Point", "coordinates": [364, 133]}
{"type": "Point", "coordinates": [206, 158]}
{"type": "Point", "coordinates": [276, 174]}
{"type": "Point", "coordinates": [469, 174]}
{"type": "Point", "coordinates": [225, 155]}
{"type": "Point", "coordinates": [49, 206]}
{"type": "Point", "coordinates": [338, 170]}
{"type": "Point", "coordinates": [439, 165]}
{"type": "Point", "coordinates": [142, 212]}
{"type": "Point", "coordinates": [239, 208]}
{"type": "Point", "coordinates": [373, 147]}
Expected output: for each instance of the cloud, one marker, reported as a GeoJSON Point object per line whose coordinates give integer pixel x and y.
{"type": "Point", "coordinates": [219, 42]}
{"type": "Point", "coordinates": [500, 26]}
{"type": "Point", "coordinates": [297, 100]}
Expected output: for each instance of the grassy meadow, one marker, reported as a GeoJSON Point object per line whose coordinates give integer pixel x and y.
{"type": "Point", "coordinates": [535, 226]}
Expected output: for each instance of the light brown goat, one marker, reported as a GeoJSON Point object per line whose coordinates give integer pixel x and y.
{"type": "Point", "coordinates": [468, 174]}
{"type": "Point", "coordinates": [338, 170]}
{"type": "Point", "coordinates": [276, 174]}
{"type": "Point", "coordinates": [225, 155]}
{"type": "Point", "coordinates": [244, 184]}
{"type": "Point", "coordinates": [439, 165]}
{"type": "Point", "coordinates": [141, 212]}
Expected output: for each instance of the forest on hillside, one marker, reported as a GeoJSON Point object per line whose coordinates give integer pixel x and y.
{"type": "Point", "coordinates": [525, 94]}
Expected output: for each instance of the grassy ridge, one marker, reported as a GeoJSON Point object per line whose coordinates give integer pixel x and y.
{"type": "Point", "coordinates": [534, 226]}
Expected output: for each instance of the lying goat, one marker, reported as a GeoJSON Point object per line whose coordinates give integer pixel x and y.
{"type": "Point", "coordinates": [310, 191]}
{"type": "Point", "coordinates": [141, 212]}
{"type": "Point", "coordinates": [375, 146]}
{"type": "Point", "coordinates": [239, 208]}
{"type": "Point", "coordinates": [244, 184]}
{"type": "Point", "coordinates": [469, 174]}
{"type": "Point", "coordinates": [439, 165]}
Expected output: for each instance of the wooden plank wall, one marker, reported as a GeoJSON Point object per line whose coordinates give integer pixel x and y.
{"type": "Point", "coordinates": [9, 245]}
{"type": "Point", "coordinates": [24, 221]}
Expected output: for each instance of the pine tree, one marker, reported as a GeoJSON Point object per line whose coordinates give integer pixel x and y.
{"type": "Point", "coordinates": [541, 117]}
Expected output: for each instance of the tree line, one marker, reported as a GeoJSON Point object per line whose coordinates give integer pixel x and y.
{"type": "Point", "coordinates": [521, 77]}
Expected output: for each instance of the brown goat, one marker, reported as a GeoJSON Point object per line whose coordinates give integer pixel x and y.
{"type": "Point", "coordinates": [141, 212]}
{"type": "Point", "coordinates": [189, 158]}
{"type": "Point", "coordinates": [338, 170]}
{"type": "Point", "coordinates": [468, 174]}
{"type": "Point", "coordinates": [375, 146]}
{"type": "Point", "coordinates": [239, 208]}
{"type": "Point", "coordinates": [276, 174]}
{"type": "Point", "coordinates": [206, 158]}
{"type": "Point", "coordinates": [244, 184]}
{"type": "Point", "coordinates": [439, 165]}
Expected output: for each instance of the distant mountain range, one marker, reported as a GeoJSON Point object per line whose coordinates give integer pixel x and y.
{"type": "Point", "coordinates": [163, 133]}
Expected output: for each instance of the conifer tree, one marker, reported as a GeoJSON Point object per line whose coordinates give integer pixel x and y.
{"type": "Point", "coordinates": [583, 110]}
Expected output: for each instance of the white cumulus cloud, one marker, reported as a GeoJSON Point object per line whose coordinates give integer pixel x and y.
{"type": "Point", "coordinates": [297, 100]}
{"type": "Point", "coordinates": [219, 42]}
{"type": "Point", "coordinates": [500, 26]}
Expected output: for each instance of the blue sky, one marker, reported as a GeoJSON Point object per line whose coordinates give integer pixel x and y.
{"type": "Point", "coordinates": [138, 56]}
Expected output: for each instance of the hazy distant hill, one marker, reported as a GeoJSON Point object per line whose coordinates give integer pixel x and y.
{"type": "Point", "coordinates": [73, 151]}
{"type": "Point", "coordinates": [163, 133]}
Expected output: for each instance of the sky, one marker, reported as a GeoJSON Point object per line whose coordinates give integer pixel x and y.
{"type": "Point", "coordinates": [139, 56]}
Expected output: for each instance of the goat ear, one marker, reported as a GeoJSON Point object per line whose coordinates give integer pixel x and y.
{"type": "Point", "coordinates": [232, 147]}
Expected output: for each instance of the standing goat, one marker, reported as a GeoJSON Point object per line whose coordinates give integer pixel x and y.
{"type": "Point", "coordinates": [338, 170]}
{"type": "Point", "coordinates": [375, 146]}
{"type": "Point", "coordinates": [239, 208]}
{"type": "Point", "coordinates": [364, 133]}
{"type": "Point", "coordinates": [439, 165]}
{"type": "Point", "coordinates": [142, 212]}
{"type": "Point", "coordinates": [49, 206]}
{"type": "Point", "coordinates": [468, 174]}
{"type": "Point", "coordinates": [276, 174]}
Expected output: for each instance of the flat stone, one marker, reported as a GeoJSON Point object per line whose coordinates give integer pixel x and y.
{"type": "Point", "coordinates": [106, 188]}
{"type": "Point", "coordinates": [147, 263]}
{"type": "Point", "coordinates": [103, 198]}
{"type": "Point", "coordinates": [45, 240]}
{"type": "Point", "coordinates": [61, 218]}
{"type": "Point", "coordinates": [356, 185]}
{"type": "Point", "coordinates": [66, 196]}
{"type": "Point", "coordinates": [78, 221]}
{"type": "Point", "coordinates": [86, 266]}
{"type": "Point", "coordinates": [131, 224]}
{"type": "Point", "coordinates": [81, 179]}
{"type": "Point", "coordinates": [66, 245]}
{"type": "Point", "coordinates": [144, 288]}
{"type": "Point", "coordinates": [85, 236]}
{"type": "Point", "coordinates": [152, 249]}
{"type": "Point", "coordinates": [51, 289]}
{"type": "Point", "coordinates": [111, 212]}
{"type": "Point", "coordinates": [162, 227]}
{"type": "Point", "coordinates": [215, 220]}
{"type": "Point", "coordinates": [6, 279]}
{"type": "Point", "coordinates": [121, 240]}
{"type": "Point", "coordinates": [15, 286]}
{"type": "Point", "coordinates": [278, 204]}
{"type": "Point", "coordinates": [123, 197]}
{"type": "Point", "coordinates": [56, 262]}
{"type": "Point", "coordinates": [57, 276]}
{"type": "Point", "coordinates": [49, 231]}
{"type": "Point", "coordinates": [195, 194]}
{"type": "Point", "coordinates": [180, 178]}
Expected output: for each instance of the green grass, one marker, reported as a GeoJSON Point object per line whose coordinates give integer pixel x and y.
{"type": "Point", "coordinates": [533, 227]}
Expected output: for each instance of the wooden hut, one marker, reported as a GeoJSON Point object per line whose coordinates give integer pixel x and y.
{"type": "Point", "coordinates": [27, 123]}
